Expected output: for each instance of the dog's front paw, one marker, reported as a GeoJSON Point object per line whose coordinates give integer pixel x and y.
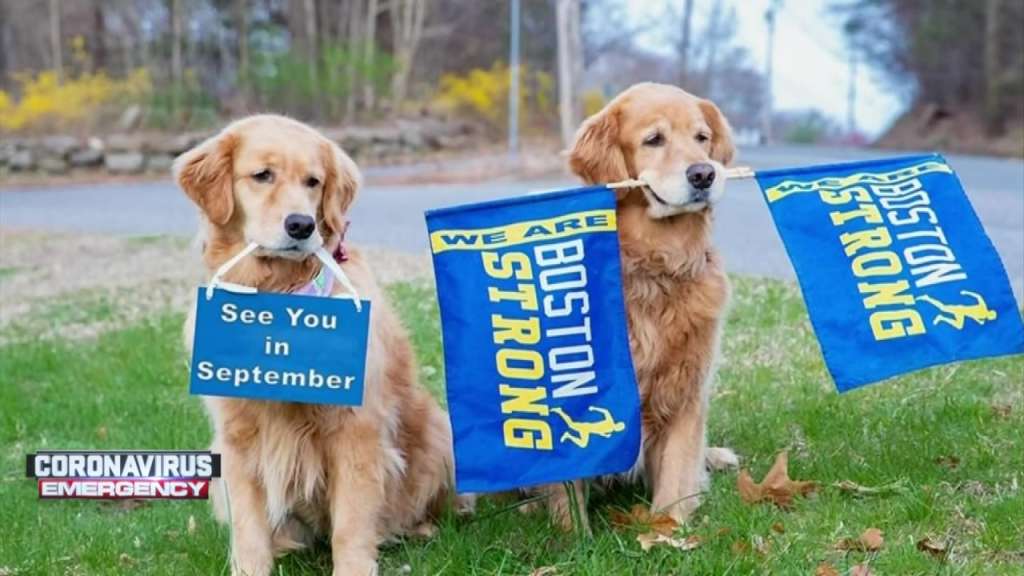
{"type": "Point", "coordinates": [355, 564]}
{"type": "Point", "coordinates": [465, 504]}
{"type": "Point", "coordinates": [256, 564]}
{"type": "Point", "coordinates": [719, 458]}
{"type": "Point", "coordinates": [679, 511]}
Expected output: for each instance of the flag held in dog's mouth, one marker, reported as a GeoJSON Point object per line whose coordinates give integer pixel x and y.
{"type": "Point", "coordinates": [894, 265]}
{"type": "Point", "coordinates": [540, 383]}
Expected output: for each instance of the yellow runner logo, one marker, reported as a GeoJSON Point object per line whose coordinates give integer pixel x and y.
{"type": "Point", "coordinates": [958, 314]}
{"type": "Point", "coordinates": [603, 428]}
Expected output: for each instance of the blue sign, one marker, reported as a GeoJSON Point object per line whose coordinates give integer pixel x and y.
{"type": "Point", "coordinates": [283, 347]}
{"type": "Point", "coordinates": [894, 265]}
{"type": "Point", "coordinates": [540, 381]}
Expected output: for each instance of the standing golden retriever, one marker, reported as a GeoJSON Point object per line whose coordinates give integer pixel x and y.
{"type": "Point", "coordinates": [676, 289]}
{"type": "Point", "coordinates": [294, 471]}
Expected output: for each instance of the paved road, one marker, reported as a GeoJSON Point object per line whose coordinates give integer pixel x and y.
{"type": "Point", "coordinates": [392, 216]}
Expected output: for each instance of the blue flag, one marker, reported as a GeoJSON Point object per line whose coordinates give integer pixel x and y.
{"type": "Point", "coordinates": [894, 265]}
{"type": "Point", "coordinates": [540, 381]}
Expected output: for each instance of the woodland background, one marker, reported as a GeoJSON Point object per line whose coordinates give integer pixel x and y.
{"type": "Point", "coordinates": [84, 66]}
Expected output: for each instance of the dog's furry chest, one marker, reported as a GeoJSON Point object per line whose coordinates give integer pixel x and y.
{"type": "Point", "coordinates": [673, 332]}
{"type": "Point", "coordinates": [283, 444]}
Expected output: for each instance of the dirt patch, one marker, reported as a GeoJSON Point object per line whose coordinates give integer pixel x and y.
{"type": "Point", "coordinates": [80, 285]}
{"type": "Point", "coordinates": [933, 127]}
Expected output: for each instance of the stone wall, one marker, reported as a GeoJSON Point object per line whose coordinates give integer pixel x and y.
{"type": "Point", "coordinates": [138, 153]}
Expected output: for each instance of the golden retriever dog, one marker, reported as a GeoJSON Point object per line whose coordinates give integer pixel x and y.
{"type": "Point", "coordinates": [293, 472]}
{"type": "Point", "coordinates": [676, 289]}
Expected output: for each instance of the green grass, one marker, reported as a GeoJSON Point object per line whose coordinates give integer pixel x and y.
{"type": "Point", "coordinates": [128, 389]}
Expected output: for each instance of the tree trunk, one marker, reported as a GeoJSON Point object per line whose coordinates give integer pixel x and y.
{"type": "Point", "coordinates": [712, 40]}
{"type": "Point", "coordinates": [312, 56]}
{"type": "Point", "coordinates": [684, 44]}
{"type": "Point", "coordinates": [994, 118]}
{"type": "Point", "coordinates": [6, 51]}
{"type": "Point", "coordinates": [177, 72]}
{"type": "Point", "coordinates": [407, 17]}
{"type": "Point", "coordinates": [242, 25]}
{"type": "Point", "coordinates": [369, 89]}
{"type": "Point", "coordinates": [56, 51]}
{"type": "Point", "coordinates": [355, 23]}
{"type": "Point", "coordinates": [100, 53]}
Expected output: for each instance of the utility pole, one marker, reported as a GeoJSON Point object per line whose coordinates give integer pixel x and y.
{"type": "Point", "coordinates": [766, 118]}
{"type": "Point", "coordinates": [567, 16]}
{"type": "Point", "coordinates": [513, 85]}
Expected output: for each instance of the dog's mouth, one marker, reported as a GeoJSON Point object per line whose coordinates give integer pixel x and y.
{"type": "Point", "coordinates": [295, 251]}
{"type": "Point", "coordinates": [659, 199]}
{"type": "Point", "coordinates": [698, 199]}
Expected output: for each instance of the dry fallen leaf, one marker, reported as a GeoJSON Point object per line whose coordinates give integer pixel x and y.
{"type": "Point", "coordinates": [1002, 410]}
{"type": "Point", "coordinates": [826, 569]}
{"type": "Point", "coordinates": [778, 528]}
{"type": "Point", "coordinates": [640, 517]}
{"type": "Point", "coordinates": [740, 547]}
{"type": "Point", "coordinates": [776, 487]}
{"type": "Point", "coordinates": [935, 548]}
{"type": "Point", "coordinates": [101, 433]}
{"type": "Point", "coordinates": [648, 540]}
{"type": "Point", "coordinates": [860, 570]}
{"type": "Point", "coordinates": [951, 462]}
{"type": "Point", "coordinates": [870, 541]}
{"type": "Point", "coordinates": [544, 571]}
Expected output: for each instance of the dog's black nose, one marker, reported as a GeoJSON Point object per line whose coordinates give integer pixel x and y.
{"type": "Point", "coordinates": [299, 226]}
{"type": "Point", "coordinates": [701, 175]}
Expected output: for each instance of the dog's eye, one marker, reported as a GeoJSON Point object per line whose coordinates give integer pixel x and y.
{"type": "Point", "coordinates": [655, 139]}
{"type": "Point", "coordinates": [312, 182]}
{"type": "Point", "coordinates": [702, 137]}
{"type": "Point", "coordinates": [264, 176]}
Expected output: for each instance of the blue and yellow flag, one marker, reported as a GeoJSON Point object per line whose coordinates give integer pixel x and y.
{"type": "Point", "coordinates": [540, 382]}
{"type": "Point", "coordinates": [894, 265]}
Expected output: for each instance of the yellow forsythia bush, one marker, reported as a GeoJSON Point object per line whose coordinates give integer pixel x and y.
{"type": "Point", "coordinates": [483, 93]}
{"type": "Point", "coordinates": [47, 102]}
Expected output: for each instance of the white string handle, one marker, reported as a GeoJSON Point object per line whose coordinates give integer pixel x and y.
{"type": "Point", "coordinates": [735, 173]}
{"type": "Point", "coordinates": [216, 281]}
{"type": "Point", "coordinates": [335, 269]}
{"type": "Point", "coordinates": [321, 254]}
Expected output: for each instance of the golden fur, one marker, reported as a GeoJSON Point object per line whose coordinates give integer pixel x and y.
{"type": "Point", "coordinates": [676, 289]}
{"type": "Point", "coordinates": [295, 471]}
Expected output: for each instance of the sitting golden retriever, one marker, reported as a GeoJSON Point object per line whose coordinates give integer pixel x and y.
{"type": "Point", "coordinates": [676, 290]}
{"type": "Point", "coordinates": [294, 471]}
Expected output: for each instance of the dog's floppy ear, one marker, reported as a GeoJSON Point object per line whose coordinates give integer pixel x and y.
{"type": "Point", "coordinates": [341, 183]}
{"type": "Point", "coordinates": [596, 155]}
{"type": "Point", "coordinates": [206, 174]}
{"type": "Point", "coordinates": [722, 148]}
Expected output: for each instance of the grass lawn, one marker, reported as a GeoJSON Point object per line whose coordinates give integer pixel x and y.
{"type": "Point", "coordinates": [950, 439]}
